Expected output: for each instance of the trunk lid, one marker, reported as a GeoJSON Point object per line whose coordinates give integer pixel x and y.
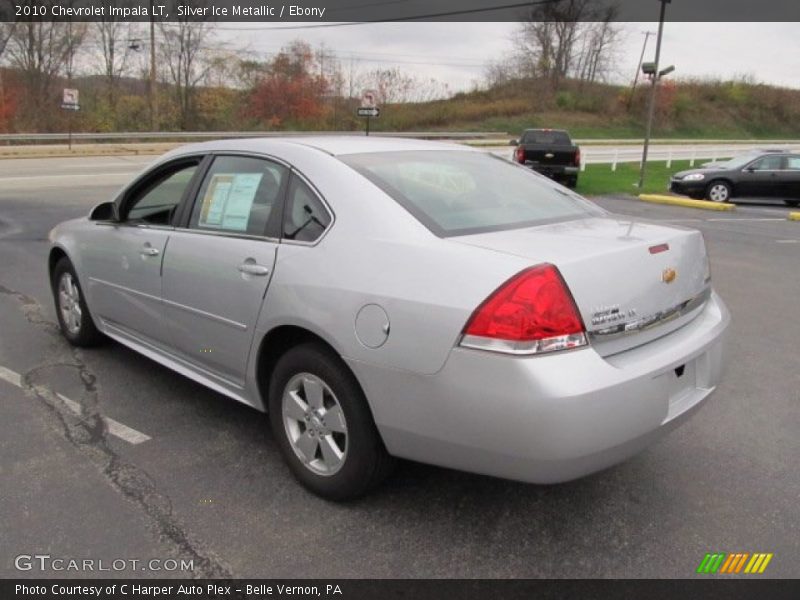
{"type": "Point", "coordinates": [550, 155]}
{"type": "Point", "coordinates": [633, 281]}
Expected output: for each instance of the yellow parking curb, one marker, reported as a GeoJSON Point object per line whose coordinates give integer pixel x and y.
{"type": "Point", "coordinates": [794, 216]}
{"type": "Point", "coordinates": [677, 201]}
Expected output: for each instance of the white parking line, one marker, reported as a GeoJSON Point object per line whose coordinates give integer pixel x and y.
{"type": "Point", "coordinates": [787, 241]}
{"type": "Point", "coordinates": [750, 219]}
{"type": "Point", "coordinates": [115, 428]}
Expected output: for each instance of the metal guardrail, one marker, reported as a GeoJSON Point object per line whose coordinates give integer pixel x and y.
{"type": "Point", "coordinates": [211, 135]}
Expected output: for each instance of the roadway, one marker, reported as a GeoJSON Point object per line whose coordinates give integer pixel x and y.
{"type": "Point", "coordinates": [208, 485]}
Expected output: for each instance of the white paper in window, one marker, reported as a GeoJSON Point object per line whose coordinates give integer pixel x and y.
{"type": "Point", "coordinates": [240, 201]}
{"type": "Point", "coordinates": [228, 200]}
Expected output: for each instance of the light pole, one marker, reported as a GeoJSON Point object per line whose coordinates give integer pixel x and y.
{"type": "Point", "coordinates": [656, 76]}
{"type": "Point", "coordinates": [647, 35]}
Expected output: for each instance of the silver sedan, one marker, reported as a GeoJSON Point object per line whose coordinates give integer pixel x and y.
{"type": "Point", "coordinates": [387, 298]}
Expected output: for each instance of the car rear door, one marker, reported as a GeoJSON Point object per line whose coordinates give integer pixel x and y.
{"type": "Point", "coordinates": [791, 188]}
{"type": "Point", "coordinates": [219, 264]}
{"type": "Point", "coordinates": [123, 259]}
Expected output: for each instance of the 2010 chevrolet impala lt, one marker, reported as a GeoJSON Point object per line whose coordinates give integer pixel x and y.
{"type": "Point", "coordinates": [387, 298]}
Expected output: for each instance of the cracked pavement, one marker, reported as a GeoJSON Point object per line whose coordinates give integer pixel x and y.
{"type": "Point", "coordinates": [209, 485]}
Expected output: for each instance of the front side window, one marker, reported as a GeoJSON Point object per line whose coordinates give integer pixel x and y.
{"type": "Point", "coordinates": [305, 218]}
{"type": "Point", "coordinates": [156, 202]}
{"type": "Point", "coordinates": [458, 193]}
{"type": "Point", "coordinates": [238, 195]}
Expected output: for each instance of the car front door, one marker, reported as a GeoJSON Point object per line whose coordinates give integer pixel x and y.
{"type": "Point", "coordinates": [123, 259]}
{"type": "Point", "coordinates": [761, 177]}
{"type": "Point", "coordinates": [219, 264]}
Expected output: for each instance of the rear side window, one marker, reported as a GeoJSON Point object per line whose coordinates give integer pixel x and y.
{"type": "Point", "coordinates": [238, 194]}
{"type": "Point", "coordinates": [546, 138]}
{"type": "Point", "coordinates": [457, 193]}
{"type": "Point", "coordinates": [305, 218]}
{"type": "Point", "coordinates": [768, 163]}
{"type": "Point", "coordinates": [793, 163]}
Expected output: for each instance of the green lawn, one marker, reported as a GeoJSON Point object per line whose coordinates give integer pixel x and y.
{"type": "Point", "coordinates": [597, 180]}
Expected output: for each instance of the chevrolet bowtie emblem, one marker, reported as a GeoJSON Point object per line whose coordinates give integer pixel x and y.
{"type": "Point", "coordinates": [669, 275]}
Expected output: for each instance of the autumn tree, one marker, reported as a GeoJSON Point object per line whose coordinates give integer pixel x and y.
{"type": "Point", "coordinates": [39, 51]}
{"type": "Point", "coordinates": [291, 88]}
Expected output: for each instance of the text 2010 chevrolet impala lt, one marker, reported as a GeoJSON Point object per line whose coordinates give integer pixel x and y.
{"type": "Point", "coordinates": [385, 298]}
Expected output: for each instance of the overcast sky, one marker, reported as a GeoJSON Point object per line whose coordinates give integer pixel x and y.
{"type": "Point", "coordinates": [455, 53]}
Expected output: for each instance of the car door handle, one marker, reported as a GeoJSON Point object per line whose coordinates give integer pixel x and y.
{"type": "Point", "coordinates": [148, 251]}
{"type": "Point", "coordinates": [253, 269]}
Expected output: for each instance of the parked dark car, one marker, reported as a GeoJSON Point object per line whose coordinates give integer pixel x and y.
{"type": "Point", "coordinates": [760, 174]}
{"type": "Point", "coordinates": [549, 152]}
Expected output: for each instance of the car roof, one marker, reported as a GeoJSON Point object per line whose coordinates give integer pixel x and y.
{"type": "Point", "coordinates": [336, 145]}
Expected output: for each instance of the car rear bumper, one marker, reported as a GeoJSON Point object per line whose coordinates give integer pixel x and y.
{"type": "Point", "coordinates": [549, 418]}
{"type": "Point", "coordinates": [553, 171]}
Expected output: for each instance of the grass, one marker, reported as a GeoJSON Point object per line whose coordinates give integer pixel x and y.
{"type": "Point", "coordinates": [598, 180]}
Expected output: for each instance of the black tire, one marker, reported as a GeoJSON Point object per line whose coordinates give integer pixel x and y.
{"type": "Point", "coordinates": [86, 333]}
{"type": "Point", "coordinates": [719, 191]}
{"type": "Point", "coordinates": [792, 203]}
{"type": "Point", "coordinates": [366, 462]}
{"type": "Point", "coordinates": [572, 183]}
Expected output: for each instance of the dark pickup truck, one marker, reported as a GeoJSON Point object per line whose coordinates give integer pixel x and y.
{"type": "Point", "coordinates": [549, 152]}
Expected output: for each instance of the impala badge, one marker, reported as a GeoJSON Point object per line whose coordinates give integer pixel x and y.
{"type": "Point", "coordinates": [669, 275]}
{"type": "Point", "coordinates": [549, 155]}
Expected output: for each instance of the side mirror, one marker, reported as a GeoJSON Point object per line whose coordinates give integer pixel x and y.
{"type": "Point", "coordinates": [513, 143]}
{"type": "Point", "coordinates": [750, 169]}
{"type": "Point", "coordinates": [105, 211]}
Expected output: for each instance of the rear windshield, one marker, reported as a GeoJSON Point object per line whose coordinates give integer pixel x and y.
{"type": "Point", "coordinates": [546, 138]}
{"type": "Point", "coordinates": [458, 193]}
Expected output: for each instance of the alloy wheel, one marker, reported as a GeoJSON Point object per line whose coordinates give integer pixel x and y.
{"type": "Point", "coordinates": [69, 303]}
{"type": "Point", "coordinates": [718, 192]}
{"type": "Point", "coordinates": [315, 424]}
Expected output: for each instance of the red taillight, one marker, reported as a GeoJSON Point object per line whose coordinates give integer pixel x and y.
{"type": "Point", "coordinates": [521, 155]}
{"type": "Point", "coordinates": [577, 157]}
{"type": "Point", "coordinates": [532, 312]}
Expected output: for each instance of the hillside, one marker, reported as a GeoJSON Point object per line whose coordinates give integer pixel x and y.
{"type": "Point", "coordinates": [685, 109]}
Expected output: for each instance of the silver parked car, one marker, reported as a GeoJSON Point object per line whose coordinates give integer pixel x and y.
{"type": "Point", "coordinates": [397, 298]}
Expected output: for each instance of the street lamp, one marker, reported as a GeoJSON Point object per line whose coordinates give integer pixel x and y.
{"type": "Point", "coordinates": [651, 69]}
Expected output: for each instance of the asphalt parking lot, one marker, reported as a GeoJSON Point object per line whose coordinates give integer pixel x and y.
{"type": "Point", "coordinates": [182, 473]}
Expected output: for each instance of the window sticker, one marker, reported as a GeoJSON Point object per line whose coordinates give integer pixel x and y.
{"type": "Point", "coordinates": [228, 200]}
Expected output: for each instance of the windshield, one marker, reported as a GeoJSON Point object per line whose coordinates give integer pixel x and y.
{"type": "Point", "coordinates": [458, 193]}
{"type": "Point", "coordinates": [546, 138]}
{"type": "Point", "coordinates": [737, 162]}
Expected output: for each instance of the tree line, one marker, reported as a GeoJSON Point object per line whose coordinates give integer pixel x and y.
{"type": "Point", "coordinates": [204, 80]}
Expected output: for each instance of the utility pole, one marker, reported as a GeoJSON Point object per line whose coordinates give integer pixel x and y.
{"type": "Point", "coordinates": [656, 76]}
{"type": "Point", "coordinates": [152, 83]}
{"type": "Point", "coordinates": [647, 35]}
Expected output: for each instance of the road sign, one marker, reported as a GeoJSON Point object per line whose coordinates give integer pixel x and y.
{"type": "Point", "coordinates": [369, 99]}
{"type": "Point", "coordinates": [69, 100]}
{"type": "Point", "coordinates": [368, 111]}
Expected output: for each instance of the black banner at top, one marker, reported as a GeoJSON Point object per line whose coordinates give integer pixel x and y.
{"type": "Point", "coordinates": [326, 13]}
